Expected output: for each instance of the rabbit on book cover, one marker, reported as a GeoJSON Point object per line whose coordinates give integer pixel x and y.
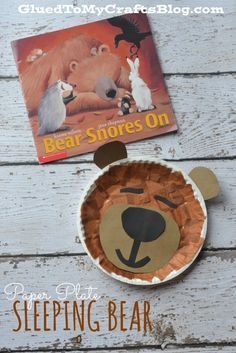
{"type": "Point", "coordinates": [140, 91]}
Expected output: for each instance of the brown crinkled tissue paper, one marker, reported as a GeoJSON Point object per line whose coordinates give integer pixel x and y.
{"type": "Point", "coordinates": [142, 185]}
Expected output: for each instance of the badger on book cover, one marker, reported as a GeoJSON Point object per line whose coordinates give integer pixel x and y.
{"type": "Point", "coordinates": [87, 85]}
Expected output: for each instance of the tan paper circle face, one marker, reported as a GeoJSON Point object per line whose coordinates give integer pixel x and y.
{"type": "Point", "coordinates": [138, 239]}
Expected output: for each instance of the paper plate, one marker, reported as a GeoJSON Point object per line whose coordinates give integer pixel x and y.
{"type": "Point", "coordinates": [142, 221]}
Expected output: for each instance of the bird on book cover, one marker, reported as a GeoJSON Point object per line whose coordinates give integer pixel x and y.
{"type": "Point", "coordinates": [130, 33]}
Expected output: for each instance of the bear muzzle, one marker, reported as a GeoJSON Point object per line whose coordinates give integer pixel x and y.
{"type": "Point", "coordinates": [138, 239]}
{"type": "Point", "coordinates": [106, 88]}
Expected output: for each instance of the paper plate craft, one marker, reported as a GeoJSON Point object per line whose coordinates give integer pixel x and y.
{"type": "Point", "coordinates": [144, 221]}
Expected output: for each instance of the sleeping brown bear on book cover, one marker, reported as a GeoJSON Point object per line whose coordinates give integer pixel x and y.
{"type": "Point", "coordinates": [87, 85]}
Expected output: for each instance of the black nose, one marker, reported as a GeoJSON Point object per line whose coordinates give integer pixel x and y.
{"type": "Point", "coordinates": [142, 224]}
{"type": "Point", "coordinates": [111, 93]}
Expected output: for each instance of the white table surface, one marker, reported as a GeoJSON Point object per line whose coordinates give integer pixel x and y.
{"type": "Point", "coordinates": [39, 245]}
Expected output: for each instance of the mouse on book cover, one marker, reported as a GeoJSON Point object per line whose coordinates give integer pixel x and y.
{"type": "Point", "coordinates": [125, 105]}
{"type": "Point", "coordinates": [52, 107]}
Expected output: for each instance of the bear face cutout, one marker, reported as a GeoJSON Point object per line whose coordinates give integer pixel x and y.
{"type": "Point", "coordinates": [103, 233]}
{"type": "Point", "coordinates": [144, 221]}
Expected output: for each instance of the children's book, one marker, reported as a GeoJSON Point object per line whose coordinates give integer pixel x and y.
{"type": "Point", "coordinates": [91, 84]}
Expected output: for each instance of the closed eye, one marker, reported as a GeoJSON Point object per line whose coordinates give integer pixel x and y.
{"type": "Point", "coordinates": [156, 197]}
{"type": "Point", "coordinates": [133, 190]}
{"type": "Point", "coordinates": [166, 201]}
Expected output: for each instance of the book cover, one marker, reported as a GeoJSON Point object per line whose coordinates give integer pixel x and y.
{"type": "Point", "coordinates": [91, 84]}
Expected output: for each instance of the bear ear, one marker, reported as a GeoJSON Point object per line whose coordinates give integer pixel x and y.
{"type": "Point", "coordinates": [103, 49]}
{"type": "Point", "coordinates": [73, 65]}
{"type": "Point", "coordinates": [109, 153]}
{"type": "Point", "coordinates": [206, 181]}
